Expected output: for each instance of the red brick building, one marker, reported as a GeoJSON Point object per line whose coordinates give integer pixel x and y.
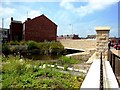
{"type": "Point", "coordinates": [115, 40]}
{"type": "Point", "coordinates": [39, 29]}
{"type": "Point", "coordinates": [16, 30]}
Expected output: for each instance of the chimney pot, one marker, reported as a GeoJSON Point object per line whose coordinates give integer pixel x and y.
{"type": "Point", "coordinates": [28, 19]}
{"type": "Point", "coordinates": [11, 18]}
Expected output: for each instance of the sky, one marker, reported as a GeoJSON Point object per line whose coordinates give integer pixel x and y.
{"type": "Point", "coordinates": [72, 16]}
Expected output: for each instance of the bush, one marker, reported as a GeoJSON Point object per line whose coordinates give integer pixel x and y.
{"type": "Point", "coordinates": [56, 48]}
{"type": "Point", "coordinates": [32, 45]}
{"type": "Point", "coordinates": [22, 42]}
{"type": "Point", "coordinates": [13, 43]}
{"type": "Point", "coordinates": [65, 67]}
{"type": "Point", "coordinates": [67, 60]}
{"type": "Point", "coordinates": [5, 49]}
{"type": "Point", "coordinates": [15, 49]}
{"type": "Point", "coordinates": [42, 48]}
{"type": "Point", "coordinates": [52, 48]}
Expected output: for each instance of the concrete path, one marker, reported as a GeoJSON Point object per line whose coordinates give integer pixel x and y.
{"type": "Point", "coordinates": [92, 79]}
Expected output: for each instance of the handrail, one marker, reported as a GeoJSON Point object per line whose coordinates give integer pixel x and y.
{"type": "Point", "coordinates": [113, 56]}
{"type": "Point", "coordinates": [112, 59]}
{"type": "Point", "coordinates": [101, 73]}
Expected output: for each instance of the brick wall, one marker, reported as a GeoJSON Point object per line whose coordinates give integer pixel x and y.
{"type": "Point", "coordinates": [16, 30]}
{"type": "Point", "coordinates": [40, 29]}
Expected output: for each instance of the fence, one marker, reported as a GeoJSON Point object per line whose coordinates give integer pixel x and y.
{"type": "Point", "coordinates": [114, 59]}
{"type": "Point", "coordinates": [101, 73]}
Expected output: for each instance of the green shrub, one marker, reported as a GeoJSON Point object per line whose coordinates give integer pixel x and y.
{"type": "Point", "coordinates": [32, 45]}
{"type": "Point", "coordinates": [13, 43]}
{"type": "Point", "coordinates": [16, 49]}
{"type": "Point", "coordinates": [65, 67]}
{"type": "Point", "coordinates": [67, 60]}
{"type": "Point", "coordinates": [52, 48]}
{"type": "Point", "coordinates": [22, 42]}
{"type": "Point", "coordinates": [5, 49]}
{"type": "Point", "coordinates": [44, 48]}
{"type": "Point", "coordinates": [56, 48]}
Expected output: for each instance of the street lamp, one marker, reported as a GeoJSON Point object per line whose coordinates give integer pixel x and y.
{"type": "Point", "coordinates": [71, 28]}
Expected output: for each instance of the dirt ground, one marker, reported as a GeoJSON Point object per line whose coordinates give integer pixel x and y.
{"type": "Point", "coordinates": [85, 44]}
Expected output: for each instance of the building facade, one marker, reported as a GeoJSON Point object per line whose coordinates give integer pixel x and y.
{"type": "Point", "coordinates": [115, 40]}
{"type": "Point", "coordinates": [4, 34]}
{"type": "Point", "coordinates": [16, 30]}
{"type": "Point", "coordinates": [91, 37]}
{"type": "Point", "coordinates": [39, 29]}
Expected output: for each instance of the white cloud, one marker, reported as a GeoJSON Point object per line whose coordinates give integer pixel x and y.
{"type": "Point", "coordinates": [91, 7]}
{"type": "Point", "coordinates": [31, 14]}
{"type": "Point", "coordinates": [6, 2]}
{"type": "Point", "coordinates": [6, 11]}
{"type": "Point", "coordinates": [39, 0]}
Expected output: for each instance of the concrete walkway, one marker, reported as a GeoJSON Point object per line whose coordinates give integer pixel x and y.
{"type": "Point", "coordinates": [93, 76]}
{"type": "Point", "coordinates": [92, 79]}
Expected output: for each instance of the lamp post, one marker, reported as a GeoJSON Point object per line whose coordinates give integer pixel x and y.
{"type": "Point", "coordinates": [2, 28]}
{"type": "Point", "coordinates": [71, 28]}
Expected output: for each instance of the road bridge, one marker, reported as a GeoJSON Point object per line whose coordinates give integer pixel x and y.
{"type": "Point", "coordinates": [102, 73]}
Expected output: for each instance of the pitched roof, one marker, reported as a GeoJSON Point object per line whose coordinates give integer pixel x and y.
{"type": "Point", "coordinates": [40, 17]}
{"type": "Point", "coordinates": [14, 21]}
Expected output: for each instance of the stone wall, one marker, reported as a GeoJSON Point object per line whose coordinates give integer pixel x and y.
{"type": "Point", "coordinates": [102, 38]}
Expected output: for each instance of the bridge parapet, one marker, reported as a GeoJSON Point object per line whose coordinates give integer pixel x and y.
{"type": "Point", "coordinates": [92, 79]}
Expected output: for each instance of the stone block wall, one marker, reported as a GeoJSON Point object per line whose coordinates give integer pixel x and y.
{"type": "Point", "coordinates": [102, 38]}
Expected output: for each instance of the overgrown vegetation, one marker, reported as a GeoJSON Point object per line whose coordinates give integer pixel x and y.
{"type": "Point", "coordinates": [5, 49]}
{"type": "Point", "coordinates": [42, 48]}
{"type": "Point", "coordinates": [19, 73]}
{"type": "Point", "coordinates": [67, 61]}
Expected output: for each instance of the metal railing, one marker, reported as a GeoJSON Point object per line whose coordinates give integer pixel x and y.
{"type": "Point", "coordinates": [115, 64]}
{"type": "Point", "coordinates": [112, 60]}
{"type": "Point", "coordinates": [101, 73]}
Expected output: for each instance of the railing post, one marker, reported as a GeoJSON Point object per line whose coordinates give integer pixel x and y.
{"type": "Point", "coordinates": [111, 59]}
{"type": "Point", "coordinates": [114, 63]}
{"type": "Point", "coordinates": [101, 73]}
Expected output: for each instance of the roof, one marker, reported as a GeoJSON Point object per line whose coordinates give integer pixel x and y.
{"type": "Point", "coordinates": [40, 17]}
{"type": "Point", "coordinates": [14, 21]}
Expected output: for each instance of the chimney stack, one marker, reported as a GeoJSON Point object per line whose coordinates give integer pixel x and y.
{"type": "Point", "coordinates": [11, 18]}
{"type": "Point", "coordinates": [28, 19]}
